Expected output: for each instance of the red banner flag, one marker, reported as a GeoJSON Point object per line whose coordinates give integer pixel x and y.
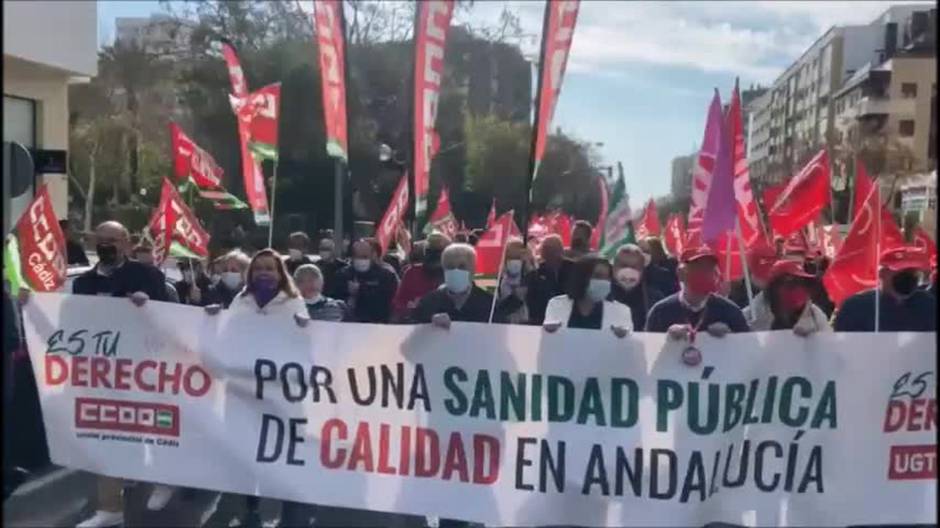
{"type": "Point", "coordinates": [251, 167]}
{"type": "Point", "coordinates": [173, 221]}
{"type": "Point", "coordinates": [35, 255]}
{"type": "Point", "coordinates": [922, 239]}
{"type": "Point", "coordinates": [557, 32]}
{"type": "Point", "coordinates": [430, 43]}
{"type": "Point", "coordinates": [192, 162]}
{"type": "Point", "coordinates": [674, 237]}
{"type": "Point", "coordinates": [259, 112]}
{"type": "Point", "coordinates": [331, 43]}
{"type": "Point", "coordinates": [598, 232]}
{"type": "Point", "coordinates": [748, 213]}
{"type": "Point", "coordinates": [855, 266]}
{"type": "Point", "coordinates": [805, 195]}
{"type": "Point", "coordinates": [891, 235]}
{"type": "Point", "coordinates": [725, 244]}
{"type": "Point", "coordinates": [443, 219]}
{"type": "Point", "coordinates": [393, 214]}
{"type": "Point", "coordinates": [649, 222]}
{"type": "Point", "coordinates": [704, 170]}
{"type": "Point", "coordinates": [490, 246]}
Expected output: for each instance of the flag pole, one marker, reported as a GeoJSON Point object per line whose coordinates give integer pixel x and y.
{"type": "Point", "coordinates": [338, 205]}
{"type": "Point", "coordinates": [499, 278]}
{"type": "Point", "coordinates": [273, 199]}
{"type": "Point", "coordinates": [742, 252]}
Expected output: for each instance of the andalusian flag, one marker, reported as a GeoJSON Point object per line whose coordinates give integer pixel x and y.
{"type": "Point", "coordinates": [619, 228]}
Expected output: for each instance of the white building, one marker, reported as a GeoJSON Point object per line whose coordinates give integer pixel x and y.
{"type": "Point", "coordinates": [46, 45]}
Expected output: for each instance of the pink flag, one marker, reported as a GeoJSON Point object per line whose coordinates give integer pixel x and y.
{"type": "Point", "coordinates": [748, 213]}
{"type": "Point", "coordinates": [721, 206]}
{"type": "Point", "coordinates": [704, 168]}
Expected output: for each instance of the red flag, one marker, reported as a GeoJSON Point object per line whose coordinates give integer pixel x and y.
{"type": "Point", "coordinates": [331, 43]}
{"type": "Point", "coordinates": [891, 235]}
{"type": "Point", "coordinates": [490, 246]}
{"type": "Point", "coordinates": [393, 214]}
{"type": "Point", "coordinates": [443, 218]}
{"type": "Point", "coordinates": [598, 232]}
{"type": "Point", "coordinates": [251, 168]}
{"type": "Point", "coordinates": [259, 111]}
{"type": "Point", "coordinates": [649, 223]}
{"type": "Point", "coordinates": [731, 270]}
{"type": "Point", "coordinates": [557, 32]}
{"type": "Point", "coordinates": [173, 221]}
{"type": "Point", "coordinates": [922, 239]}
{"type": "Point", "coordinates": [748, 212]}
{"type": "Point", "coordinates": [491, 217]}
{"type": "Point", "coordinates": [855, 266]}
{"type": "Point", "coordinates": [830, 240]}
{"type": "Point", "coordinates": [803, 198]}
{"type": "Point", "coordinates": [35, 250]}
{"type": "Point", "coordinates": [704, 169]}
{"type": "Point", "coordinates": [430, 42]}
{"type": "Point", "coordinates": [160, 226]}
{"type": "Point", "coordinates": [191, 161]}
{"type": "Point", "coordinates": [674, 237]}
{"type": "Point", "coordinates": [554, 223]}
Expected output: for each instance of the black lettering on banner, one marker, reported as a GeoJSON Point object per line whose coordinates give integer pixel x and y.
{"type": "Point", "coordinates": [295, 438]}
{"type": "Point", "coordinates": [596, 472]}
{"type": "Point", "coordinates": [656, 471]}
{"type": "Point", "coordinates": [327, 383]}
{"type": "Point", "coordinates": [265, 370]}
{"type": "Point", "coordinates": [268, 421]}
{"type": "Point", "coordinates": [286, 382]}
{"type": "Point", "coordinates": [522, 462]}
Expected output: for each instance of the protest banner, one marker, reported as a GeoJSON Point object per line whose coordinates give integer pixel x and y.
{"type": "Point", "coordinates": [504, 425]}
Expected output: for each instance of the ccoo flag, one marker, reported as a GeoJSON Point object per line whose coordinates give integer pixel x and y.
{"type": "Point", "coordinates": [331, 43]}
{"type": "Point", "coordinates": [34, 255]}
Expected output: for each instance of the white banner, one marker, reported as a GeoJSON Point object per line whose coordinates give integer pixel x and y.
{"type": "Point", "coordinates": [504, 425]}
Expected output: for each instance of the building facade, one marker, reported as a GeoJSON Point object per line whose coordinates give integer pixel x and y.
{"type": "Point", "coordinates": [682, 176]}
{"type": "Point", "coordinates": [46, 46]}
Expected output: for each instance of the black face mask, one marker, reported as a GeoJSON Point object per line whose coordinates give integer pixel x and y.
{"type": "Point", "coordinates": [107, 254]}
{"type": "Point", "coordinates": [904, 283]}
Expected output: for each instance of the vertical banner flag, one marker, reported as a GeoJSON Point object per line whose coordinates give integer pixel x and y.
{"type": "Point", "coordinates": [34, 253]}
{"type": "Point", "coordinates": [331, 44]}
{"type": "Point", "coordinates": [649, 222]}
{"type": "Point", "coordinates": [172, 222]}
{"type": "Point", "coordinates": [597, 234]}
{"type": "Point", "coordinates": [394, 214]}
{"type": "Point", "coordinates": [748, 213]}
{"type": "Point", "coordinates": [804, 196]}
{"type": "Point", "coordinates": [721, 206]}
{"type": "Point", "coordinates": [490, 246]}
{"type": "Point", "coordinates": [251, 168]}
{"type": "Point", "coordinates": [674, 237]}
{"type": "Point", "coordinates": [704, 168]}
{"type": "Point", "coordinates": [557, 32]}
{"type": "Point", "coordinates": [433, 21]}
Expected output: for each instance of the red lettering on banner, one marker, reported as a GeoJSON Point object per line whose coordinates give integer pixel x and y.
{"type": "Point", "coordinates": [918, 414]}
{"type": "Point", "coordinates": [485, 444]}
{"type": "Point", "coordinates": [913, 462]}
{"type": "Point", "coordinates": [80, 371]}
{"type": "Point", "coordinates": [362, 449]}
{"type": "Point", "coordinates": [326, 441]}
{"type": "Point", "coordinates": [57, 370]}
{"type": "Point", "coordinates": [456, 459]}
{"type": "Point", "coordinates": [427, 452]}
{"type": "Point", "coordinates": [125, 374]}
{"type": "Point", "coordinates": [404, 467]}
{"type": "Point", "coordinates": [99, 372]}
{"type": "Point", "coordinates": [383, 451]}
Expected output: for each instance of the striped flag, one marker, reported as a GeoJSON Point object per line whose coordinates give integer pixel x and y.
{"type": "Point", "coordinates": [619, 228]}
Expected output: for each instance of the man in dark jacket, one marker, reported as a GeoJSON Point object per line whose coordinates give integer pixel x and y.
{"type": "Point", "coordinates": [630, 285]}
{"type": "Point", "coordinates": [458, 299]}
{"type": "Point", "coordinates": [549, 280]}
{"type": "Point", "coordinates": [330, 263]}
{"type": "Point", "coordinates": [297, 247]}
{"type": "Point", "coordinates": [366, 287]}
{"type": "Point", "coordinates": [902, 307]}
{"type": "Point", "coordinates": [75, 252]}
{"type": "Point", "coordinates": [115, 274]}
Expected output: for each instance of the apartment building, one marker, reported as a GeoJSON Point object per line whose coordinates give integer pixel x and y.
{"type": "Point", "coordinates": [46, 46]}
{"type": "Point", "coordinates": [682, 176]}
{"type": "Point", "coordinates": [798, 117]}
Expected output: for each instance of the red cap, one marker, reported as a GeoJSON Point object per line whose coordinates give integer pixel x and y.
{"type": "Point", "coordinates": [762, 251]}
{"type": "Point", "coordinates": [693, 254]}
{"type": "Point", "coordinates": [906, 257]}
{"type": "Point", "coordinates": [792, 268]}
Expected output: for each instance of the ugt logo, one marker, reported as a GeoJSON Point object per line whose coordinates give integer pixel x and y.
{"type": "Point", "coordinates": [912, 408]}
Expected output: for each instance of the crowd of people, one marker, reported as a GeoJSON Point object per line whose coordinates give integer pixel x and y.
{"type": "Point", "coordinates": [434, 281]}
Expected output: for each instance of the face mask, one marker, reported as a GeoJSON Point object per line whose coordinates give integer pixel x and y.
{"type": "Point", "coordinates": [295, 254]}
{"type": "Point", "coordinates": [457, 280]}
{"type": "Point", "coordinates": [187, 276]}
{"type": "Point", "coordinates": [628, 278]}
{"type": "Point", "coordinates": [264, 289]}
{"type": "Point", "coordinates": [793, 298]}
{"type": "Point", "coordinates": [514, 267]}
{"type": "Point", "coordinates": [315, 299]}
{"type": "Point", "coordinates": [215, 279]}
{"type": "Point", "coordinates": [361, 265]}
{"type": "Point", "coordinates": [232, 279]}
{"type": "Point", "coordinates": [598, 289]}
{"type": "Point", "coordinates": [326, 254]}
{"type": "Point", "coordinates": [904, 283]}
{"type": "Point", "coordinates": [702, 283]}
{"type": "Point", "coordinates": [107, 254]}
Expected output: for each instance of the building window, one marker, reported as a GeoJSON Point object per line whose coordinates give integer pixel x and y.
{"type": "Point", "coordinates": [908, 90]}
{"type": "Point", "coordinates": [906, 127]}
{"type": "Point", "coordinates": [19, 120]}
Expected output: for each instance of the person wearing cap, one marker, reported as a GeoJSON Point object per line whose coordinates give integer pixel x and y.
{"type": "Point", "coordinates": [760, 259]}
{"type": "Point", "coordinates": [696, 306]}
{"type": "Point", "coordinates": [816, 264]}
{"type": "Point", "coordinates": [901, 306]}
{"type": "Point", "coordinates": [786, 304]}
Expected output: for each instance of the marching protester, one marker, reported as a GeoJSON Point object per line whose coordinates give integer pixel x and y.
{"type": "Point", "coordinates": [586, 305]}
{"type": "Point", "coordinates": [309, 280]}
{"type": "Point", "coordinates": [696, 306]}
{"type": "Point", "coordinates": [661, 268]}
{"type": "Point", "coordinates": [232, 269]}
{"type": "Point", "coordinates": [786, 302]}
{"type": "Point", "coordinates": [631, 285]}
{"type": "Point", "coordinates": [329, 264]}
{"type": "Point", "coordinates": [549, 279]}
{"type": "Point", "coordinates": [901, 306]}
{"type": "Point", "coordinates": [194, 283]}
{"type": "Point", "coordinates": [459, 298]}
{"type": "Point", "coordinates": [580, 240]}
{"type": "Point", "coordinates": [420, 278]}
{"type": "Point", "coordinates": [366, 287]}
{"type": "Point", "coordinates": [268, 288]}
{"type": "Point", "coordinates": [297, 247]}
{"type": "Point", "coordinates": [384, 260]}
{"type": "Point", "coordinates": [517, 266]}
{"type": "Point", "coordinates": [74, 250]}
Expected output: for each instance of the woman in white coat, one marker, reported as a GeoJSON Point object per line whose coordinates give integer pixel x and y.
{"type": "Point", "coordinates": [586, 304]}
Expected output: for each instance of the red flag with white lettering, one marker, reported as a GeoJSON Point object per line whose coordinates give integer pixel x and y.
{"type": "Point", "coordinates": [649, 222]}
{"type": "Point", "coordinates": [674, 237]}
{"type": "Point", "coordinates": [331, 43]}
{"type": "Point", "coordinates": [490, 246]}
{"type": "Point", "coordinates": [191, 161]}
{"type": "Point", "coordinates": [173, 221]}
{"type": "Point", "coordinates": [393, 214]}
{"type": "Point", "coordinates": [805, 195]}
{"type": "Point", "coordinates": [430, 42]}
{"type": "Point", "coordinates": [34, 254]}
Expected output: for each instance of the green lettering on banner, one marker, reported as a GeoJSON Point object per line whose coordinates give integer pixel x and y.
{"type": "Point", "coordinates": [483, 397]}
{"type": "Point", "coordinates": [511, 397]}
{"type": "Point", "coordinates": [457, 405]}
{"type": "Point", "coordinates": [826, 408]}
{"type": "Point", "coordinates": [560, 405]}
{"type": "Point", "coordinates": [617, 388]}
{"type": "Point", "coordinates": [591, 404]}
{"type": "Point", "coordinates": [668, 398]}
{"type": "Point", "coordinates": [786, 401]}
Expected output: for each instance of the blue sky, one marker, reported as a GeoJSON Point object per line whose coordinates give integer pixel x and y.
{"type": "Point", "coordinates": [641, 74]}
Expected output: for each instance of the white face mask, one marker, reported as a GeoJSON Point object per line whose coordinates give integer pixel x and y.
{"type": "Point", "coordinates": [361, 265]}
{"type": "Point", "coordinates": [628, 278]}
{"type": "Point", "coordinates": [457, 280]}
{"type": "Point", "coordinates": [295, 254]}
{"type": "Point", "coordinates": [513, 267]}
{"type": "Point", "coordinates": [598, 290]}
{"type": "Point", "coordinates": [232, 279]}
{"type": "Point", "coordinates": [315, 299]}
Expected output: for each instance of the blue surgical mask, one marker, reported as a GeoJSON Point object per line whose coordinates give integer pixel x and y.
{"type": "Point", "coordinates": [457, 280]}
{"type": "Point", "coordinates": [598, 290]}
{"type": "Point", "coordinates": [513, 267]}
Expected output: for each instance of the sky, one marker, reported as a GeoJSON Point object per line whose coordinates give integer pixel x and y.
{"type": "Point", "coordinates": [640, 75]}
